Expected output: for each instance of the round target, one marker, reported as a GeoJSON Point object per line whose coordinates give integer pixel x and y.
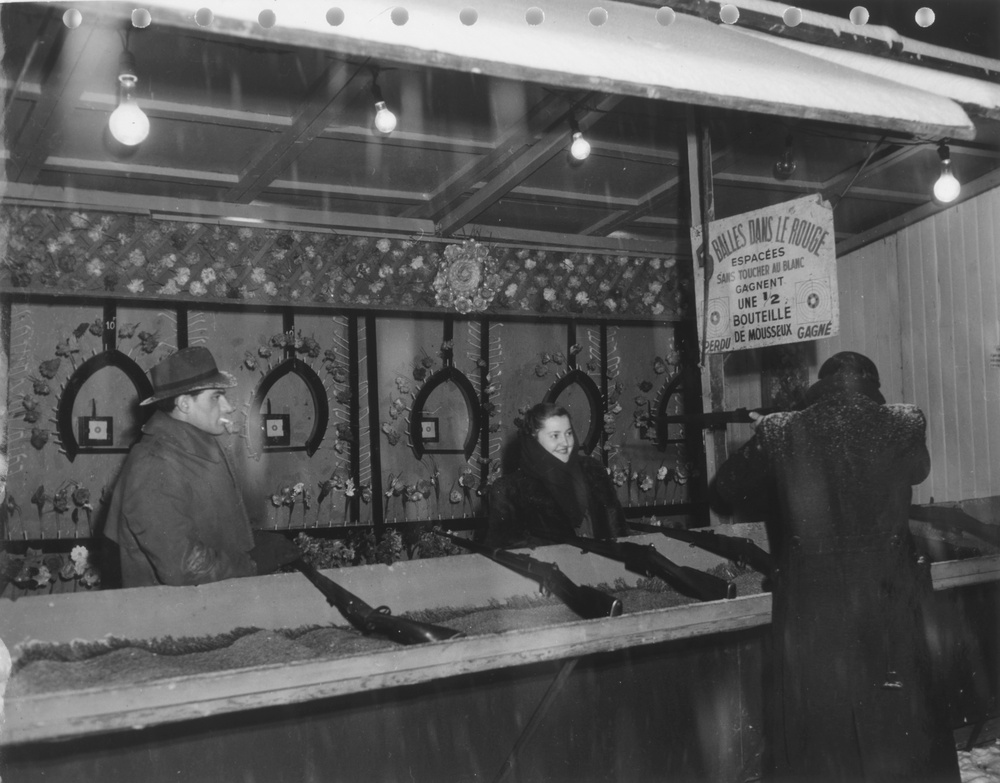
{"type": "Point", "coordinates": [717, 318]}
{"type": "Point", "coordinates": [813, 301]}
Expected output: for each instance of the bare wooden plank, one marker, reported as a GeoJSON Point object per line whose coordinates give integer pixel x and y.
{"type": "Point", "coordinates": [951, 335]}
{"type": "Point", "coordinates": [914, 331]}
{"type": "Point", "coordinates": [910, 293]}
{"type": "Point", "coordinates": [988, 246]}
{"type": "Point", "coordinates": [959, 573]}
{"type": "Point", "coordinates": [972, 354]}
{"type": "Point", "coordinates": [890, 348]}
{"type": "Point", "coordinates": [930, 332]}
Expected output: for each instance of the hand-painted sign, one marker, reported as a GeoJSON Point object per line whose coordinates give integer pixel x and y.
{"type": "Point", "coordinates": [773, 277]}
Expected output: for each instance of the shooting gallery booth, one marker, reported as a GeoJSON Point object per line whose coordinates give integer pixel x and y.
{"type": "Point", "coordinates": [398, 230]}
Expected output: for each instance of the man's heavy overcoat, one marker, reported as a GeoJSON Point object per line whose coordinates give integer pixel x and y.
{"type": "Point", "coordinates": [851, 697]}
{"type": "Point", "coordinates": [177, 512]}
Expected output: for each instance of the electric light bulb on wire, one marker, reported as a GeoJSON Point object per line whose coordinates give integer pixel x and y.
{"type": "Point", "coordinates": [580, 147]}
{"type": "Point", "coordinates": [385, 120]}
{"type": "Point", "coordinates": [947, 187]}
{"type": "Point", "coordinates": [128, 123]}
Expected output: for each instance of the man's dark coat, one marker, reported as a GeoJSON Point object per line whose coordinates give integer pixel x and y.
{"type": "Point", "coordinates": [852, 696]}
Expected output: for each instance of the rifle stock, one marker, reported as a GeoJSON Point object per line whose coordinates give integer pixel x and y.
{"type": "Point", "coordinates": [586, 601]}
{"type": "Point", "coordinates": [646, 560]}
{"type": "Point", "coordinates": [371, 620]}
{"type": "Point", "coordinates": [742, 551]}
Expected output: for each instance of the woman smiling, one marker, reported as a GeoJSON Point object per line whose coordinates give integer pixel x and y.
{"type": "Point", "coordinates": [555, 491]}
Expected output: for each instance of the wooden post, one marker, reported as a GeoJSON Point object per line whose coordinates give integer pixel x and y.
{"type": "Point", "coordinates": [699, 160]}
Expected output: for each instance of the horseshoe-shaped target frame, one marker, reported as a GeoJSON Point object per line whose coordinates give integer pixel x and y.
{"type": "Point", "coordinates": [317, 392]}
{"type": "Point", "coordinates": [64, 415]}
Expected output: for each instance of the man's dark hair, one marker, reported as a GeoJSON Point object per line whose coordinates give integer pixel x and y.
{"type": "Point", "coordinates": [166, 405]}
{"type": "Point", "coordinates": [850, 363]}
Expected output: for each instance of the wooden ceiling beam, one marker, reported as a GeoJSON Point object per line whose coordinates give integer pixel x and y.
{"type": "Point", "coordinates": [571, 198]}
{"type": "Point", "coordinates": [542, 115]}
{"type": "Point", "coordinates": [647, 203]}
{"type": "Point", "coordinates": [333, 91]}
{"type": "Point", "coordinates": [587, 111]}
{"type": "Point", "coordinates": [64, 53]}
{"type": "Point", "coordinates": [969, 190]}
{"type": "Point", "coordinates": [880, 158]}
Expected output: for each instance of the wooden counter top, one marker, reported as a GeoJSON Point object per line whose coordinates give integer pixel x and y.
{"type": "Point", "coordinates": [285, 600]}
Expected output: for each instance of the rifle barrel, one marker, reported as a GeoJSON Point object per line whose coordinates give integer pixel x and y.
{"type": "Point", "coordinates": [646, 560]}
{"type": "Point", "coordinates": [740, 550]}
{"type": "Point", "coordinates": [586, 601]}
{"type": "Point", "coordinates": [371, 620]}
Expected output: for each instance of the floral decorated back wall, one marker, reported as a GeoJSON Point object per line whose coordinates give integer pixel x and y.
{"type": "Point", "coordinates": [85, 252]}
{"type": "Point", "coordinates": [165, 280]}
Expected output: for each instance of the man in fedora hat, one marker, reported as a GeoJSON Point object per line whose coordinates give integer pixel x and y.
{"type": "Point", "coordinates": [177, 513]}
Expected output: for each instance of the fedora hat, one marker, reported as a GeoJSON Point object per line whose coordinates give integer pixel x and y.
{"type": "Point", "coordinates": [185, 371]}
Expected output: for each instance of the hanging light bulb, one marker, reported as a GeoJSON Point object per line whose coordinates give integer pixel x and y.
{"type": "Point", "coordinates": [385, 120]}
{"type": "Point", "coordinates": [128, 123]}
{"type": "Point", "coordinates": [580, 148]}
{"type": "Point", "coordinates": [947, 187]}
{"type": "Point", "coordinates": [784, 166]}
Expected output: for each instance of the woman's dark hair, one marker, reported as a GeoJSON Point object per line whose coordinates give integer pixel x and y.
{"type": "Point", "coordinates": [535, 417]}
{"type": "Point", "coordinates": [850, 363]}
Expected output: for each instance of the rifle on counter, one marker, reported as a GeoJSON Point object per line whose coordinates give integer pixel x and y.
{"type": "Point", "coordinates": [588, 602]}
{"type": "Point", "coordinates": [646, 560]}
{"type": "Point", "coordinates": [379, 620]}
{"type": "Point", "coordinates": [742, 551]}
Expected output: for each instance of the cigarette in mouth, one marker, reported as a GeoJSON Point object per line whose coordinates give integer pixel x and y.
{"type": "Point", "coordinates": [227, 424]}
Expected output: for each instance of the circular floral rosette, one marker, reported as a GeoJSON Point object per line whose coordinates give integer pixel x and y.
{"type": "Point", "coordinates": [466, 279]}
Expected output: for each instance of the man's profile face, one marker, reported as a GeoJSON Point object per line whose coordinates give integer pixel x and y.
{"type": "Point", "coordinates": [206, 410]}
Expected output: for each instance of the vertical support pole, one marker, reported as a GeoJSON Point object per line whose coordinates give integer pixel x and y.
{"type": "Point", "coordinates": [288, 329]}
{"type": "Point", "coordinates": [5, 325]}
{"type": "Point", "coordinates": [354, 360]}
{"type": "Point", "coordinates": [371, 361]}
{"type": "Point", "coordinates": [182, 326]}
{"type": "Point", "coordinates": [487, 415]}
{"type": "Point", "coordinates": [702, 199]}
{"type": "Point", "coordinates": [605, 390]}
